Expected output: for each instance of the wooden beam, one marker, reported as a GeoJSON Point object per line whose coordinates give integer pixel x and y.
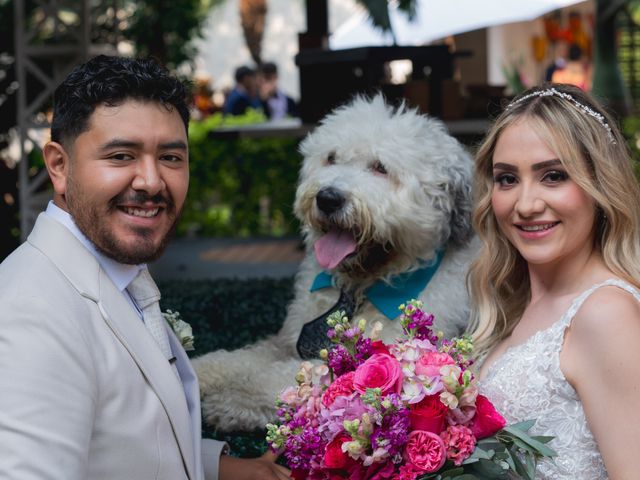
{"type": "Point", "coordinates": [317, 34]}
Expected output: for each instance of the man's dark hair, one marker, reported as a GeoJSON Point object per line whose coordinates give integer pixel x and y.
{"type": "Point", "coordinates": [575, 52]}
{"type": "Point", "coordinates": [269, 69]}
{"type": "Point", "coordinates": [110, 81]}
{"type": "Point", "coordinates": [242, 72]}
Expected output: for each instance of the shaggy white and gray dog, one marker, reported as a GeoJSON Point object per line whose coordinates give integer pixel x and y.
{"type": "Point", "coordinates": [384, 198]}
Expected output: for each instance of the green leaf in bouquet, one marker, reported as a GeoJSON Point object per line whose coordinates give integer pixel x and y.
{"type": "Point", "coordinates": [539, 447]}
{"type": "Point", "coordinates": [449, 474]}
{"type": "Point", "coordinates": [490, 443]}
{"type": "Point", "coordinates": [523, 446]}
{"type": "Point", "coordinates": [510, 460]}
{"type": "Point", "coordinates": [490, 469]}
{"type": "Point", "coordinates": [479, 453]}
{"type": "Point", "coordinates": [531, 467]}
{"type": "Point", "coordinates": [520, 468]}
{"type": "Point", "coordinates": [523, 426]}
{"type": "Point", "coordinates": [543, 438]}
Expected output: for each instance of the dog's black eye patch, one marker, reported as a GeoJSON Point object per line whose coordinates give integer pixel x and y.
{"type": "Point", "coordinates": [331, 158]}
{"type": "Point", "coordinates": [378, 167]}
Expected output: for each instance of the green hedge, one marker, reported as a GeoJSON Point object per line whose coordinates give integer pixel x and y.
{"type": "Point", "coordinates": [240, 187]}
{"type": "Point", "coordinates": [229, 314]}
{"type": "Point", "coordinates": [631, 130]}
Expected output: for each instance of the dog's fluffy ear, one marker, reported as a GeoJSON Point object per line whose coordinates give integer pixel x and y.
{"type": "Point", "coordinates": [460, 190]}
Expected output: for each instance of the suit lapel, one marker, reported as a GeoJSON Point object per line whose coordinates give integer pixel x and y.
{"type": "Point", "coordinates": [82, 270]}
{"type": "Point", "coordinates": [191, 390]}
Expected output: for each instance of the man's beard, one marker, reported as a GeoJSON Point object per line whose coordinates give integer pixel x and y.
{"type": "Point", "coordinates": [88, 219]}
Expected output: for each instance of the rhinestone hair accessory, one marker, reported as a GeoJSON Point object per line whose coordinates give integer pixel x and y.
{"type": "Point", "coordinates": [583, 108]}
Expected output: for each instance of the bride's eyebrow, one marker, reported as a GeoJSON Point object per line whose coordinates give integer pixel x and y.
{"type": "Point", "coordinates": [547, 163]}
{"type": "Point", "coordinates": [505, 166]}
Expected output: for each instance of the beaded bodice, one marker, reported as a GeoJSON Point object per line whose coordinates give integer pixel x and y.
{"type": "Point", "coordinates": [526, 382]}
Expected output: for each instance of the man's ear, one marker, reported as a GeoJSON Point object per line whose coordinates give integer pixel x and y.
{"type": "Point", "coordinates": [57, 161]}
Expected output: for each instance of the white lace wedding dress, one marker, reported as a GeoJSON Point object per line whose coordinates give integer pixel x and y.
{"type": "Point", "coordinates": [526, 382]}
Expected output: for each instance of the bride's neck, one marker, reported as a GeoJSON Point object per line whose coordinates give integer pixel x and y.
{"type": "Point", "coordinates": [567, 277]}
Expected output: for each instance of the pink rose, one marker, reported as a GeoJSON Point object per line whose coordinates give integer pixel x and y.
{"type": "Point", "coordinates": [425, 450]}
{"type": "Point", "coordinates": [334, 457]}
{"type": "Point", "coordinates": [459, 442]}
{"type": "Point", "coordinates": [408, 471]}
{"type": "Point", "coordinates": [341, 386]}
{"type": "Point", "coordinates": [487, 420]}
{"type": "Point", "coordinates": [429, 364]}
{"type": "Point", "coordinates": [428, 415]}
{"type": "Point", "coordinates": [379, 371]}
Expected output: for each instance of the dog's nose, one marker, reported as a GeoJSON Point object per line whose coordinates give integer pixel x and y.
{"type": "Point", "coordinates": [329, 200]}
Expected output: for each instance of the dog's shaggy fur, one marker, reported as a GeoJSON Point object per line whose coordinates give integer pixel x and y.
{"type": "Point", "coordinates": [400, 188]}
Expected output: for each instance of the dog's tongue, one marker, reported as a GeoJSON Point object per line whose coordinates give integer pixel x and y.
{"type": "Point", "coordinates": [332, 247]}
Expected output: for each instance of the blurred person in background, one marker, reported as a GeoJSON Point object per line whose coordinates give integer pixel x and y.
{"type": "Point", "coordinates": [561, 52]}
{"type": "Point", "coordinates": [245, 94]}
{"type": "Point", "coordinates": [277, 104]}
{"type": "Point", "coordinates": [576, 71]}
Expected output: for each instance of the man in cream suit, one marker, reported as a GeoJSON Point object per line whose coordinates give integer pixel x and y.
{"type": "Point", "coordinates": [90, 386]}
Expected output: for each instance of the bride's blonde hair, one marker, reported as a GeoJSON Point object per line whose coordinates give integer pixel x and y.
{"type": "Point", "coordinates": [596, 157]}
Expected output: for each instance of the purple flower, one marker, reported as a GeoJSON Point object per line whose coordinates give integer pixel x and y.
{"type": "Point", "coordinates": [351, 333]}
{"type": "Point", "coordinates": [340, 360]}
{"type": "Point", "coordinates": [343, 408]}
{"type": "Point", "coordinates": [421, 323]}
{"type": "Point", "coordinates": [364, 350]}
{"type": "Point", "coordinates": [305, 450]}
{"type": "Point", "coordinates": [393, 431]}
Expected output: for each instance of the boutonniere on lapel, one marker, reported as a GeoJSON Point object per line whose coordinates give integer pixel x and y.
{"type": "Point", "coordinates": [181, 328]}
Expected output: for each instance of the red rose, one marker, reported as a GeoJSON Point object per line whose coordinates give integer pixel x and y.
{"type": "Point", "coordinates": [380, 472]}
{"type": "Point", "coordinates": [299, 474]}
{"type": "Point", "coordinates": [379, 347]}
{"type": "Point", "coordinates": [487, 420]}
{"type": "Point", "coordinates": [334, 457]}
{"type": "Point", "coordinates": [375, 471]}
{"type": "Point", "coordinates": [428, 415]}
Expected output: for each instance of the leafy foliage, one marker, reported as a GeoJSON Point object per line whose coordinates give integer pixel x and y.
{"type": "Point", "coordinates": [379, 11]}
{"type": "Point", "coordinates": [242, 186]}
{"type": "Point", "coordinates": [631, 131]}
{"type": "Point", "coordinates": [165, 29]}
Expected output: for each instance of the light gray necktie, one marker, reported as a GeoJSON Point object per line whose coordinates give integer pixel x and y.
{"type": "Point", "coordinates": [147, 297]}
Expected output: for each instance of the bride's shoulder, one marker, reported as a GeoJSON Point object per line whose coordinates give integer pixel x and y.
{"type": "Point", "coordinates": [607, 313]}
{"type": "Point", "coordinates": [602, 338]}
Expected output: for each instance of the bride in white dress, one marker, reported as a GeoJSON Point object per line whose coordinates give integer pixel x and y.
{"type": "Point", "coordinates": [556, 283]}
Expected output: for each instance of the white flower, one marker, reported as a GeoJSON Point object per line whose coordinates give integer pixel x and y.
{"type": "Point", "coordinates": [181, 328]}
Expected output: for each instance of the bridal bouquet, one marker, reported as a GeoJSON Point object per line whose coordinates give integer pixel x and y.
{"type": "Point", "coordinates": [403, 411]}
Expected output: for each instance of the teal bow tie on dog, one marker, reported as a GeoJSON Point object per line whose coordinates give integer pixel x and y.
{"type": "Point", "coordinates": [387, 297]}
